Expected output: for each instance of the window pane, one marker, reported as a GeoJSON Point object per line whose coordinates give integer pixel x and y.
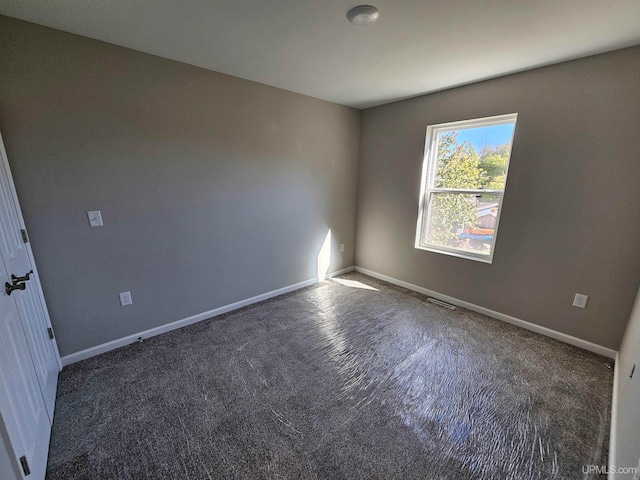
{"type": "Point", "coordinates": [473, 158]}
{"type": "Point", "coordinates": [463, 221]}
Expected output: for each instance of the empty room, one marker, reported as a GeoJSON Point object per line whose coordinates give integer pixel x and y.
{"type": "Point", "coordinates": [320, 239]}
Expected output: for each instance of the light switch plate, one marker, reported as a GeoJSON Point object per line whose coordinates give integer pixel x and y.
{"type": "Point", "coordinates": [95, 218]}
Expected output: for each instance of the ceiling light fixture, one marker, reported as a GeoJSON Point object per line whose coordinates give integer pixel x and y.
{"type": "Point", "coordinates": [363, 15]}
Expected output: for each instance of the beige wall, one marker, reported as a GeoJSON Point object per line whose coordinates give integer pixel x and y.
{"type": "Point", "coordinates": [213, 189]}
{"type": "Point", "coordinates": [570, 221]}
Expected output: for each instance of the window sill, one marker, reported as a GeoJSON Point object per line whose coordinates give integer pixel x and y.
{"type": "Point", "coordinates": [453, 253]}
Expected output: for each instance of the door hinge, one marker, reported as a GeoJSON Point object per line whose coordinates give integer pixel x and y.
{"type": "Point", "coordinates": [50, 330]}
{"type": "Point", "coordinates": [25, 465]}
{"type": "Point", "coordinates": [25, 238]}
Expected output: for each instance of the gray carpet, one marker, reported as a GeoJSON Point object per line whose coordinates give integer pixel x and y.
{"type": "Point", "coordinates": [336, 381]}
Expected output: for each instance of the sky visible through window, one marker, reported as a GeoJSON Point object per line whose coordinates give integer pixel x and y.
{"type": "Point", "coordinates": [480, 137]}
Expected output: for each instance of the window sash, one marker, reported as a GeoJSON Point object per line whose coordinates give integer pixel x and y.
{"type": "Point", "coordinates": [426, 212]}
{"type": "Point", "coordinates": [465, 190]}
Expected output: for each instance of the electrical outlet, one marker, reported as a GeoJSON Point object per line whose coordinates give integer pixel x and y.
{"type": "Point", "coordinates": [342, 248]}
{"type": "Point", "coordinates": [95, 218]}
{"type": "Point", "coordinates": [125, 299]}
{"type": "Point", "coordinates": [580, 300]}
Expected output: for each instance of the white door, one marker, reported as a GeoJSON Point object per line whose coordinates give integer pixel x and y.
{"type": "Point", "coordinates": [22, 408]}
{"type": "Point", "coordinates": [29, 358]}
{"type": "Point", "coordinates": [18, 261]}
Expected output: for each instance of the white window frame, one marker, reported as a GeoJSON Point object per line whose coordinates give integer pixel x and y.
{"type": "Point", "coordinates": [428, 178]}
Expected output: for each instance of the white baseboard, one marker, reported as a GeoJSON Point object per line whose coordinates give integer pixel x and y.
{"type": "Point", "coordinates": [121, 342]}
{"type": "Point", "coordinates": [563, 337]}
{"type": "Point", "coordinates": [613, 460]}
{"type": "Point", "coordinates": [341, 272]}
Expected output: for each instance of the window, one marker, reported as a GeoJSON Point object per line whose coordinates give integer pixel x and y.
{"type": "Point", "coordinates": [463, 180]}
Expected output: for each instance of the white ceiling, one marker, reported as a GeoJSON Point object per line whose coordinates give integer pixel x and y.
{"type": "Point", "coordinates": [309, 47]}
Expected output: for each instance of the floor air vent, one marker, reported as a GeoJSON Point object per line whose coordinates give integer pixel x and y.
{"type": "Point", "coordinates": [441, 303]}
